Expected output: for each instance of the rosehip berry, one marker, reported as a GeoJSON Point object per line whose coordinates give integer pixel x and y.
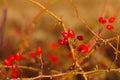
{"type": "Point", "coordinates": [65, 35]}
{"type": "Point", "coordinates": [18, 57]}
{"type": "Point", "coordinates": [7, 62]}
{"type": "Point", "coordinates": [39, 51]}
{"type": "Point", "coordinates": [110, 27]}
{"type": "Point", "coordinates": [102, 20]}
{"type": "Point", "coordinates": [61, 42]}
{"type": "Point", "coordinates": [14, 67]}
{"type": "Point", "coordinates": [53, 45]}
{"type": "Point", "coordinates": [71, 33]}
{"type": "Point", "coordinates": [83, 48]}
{"type": "Point", "coordinates": [32, 54]}
{"type": "Point", "coordinates": [65, 41]}
{"type": "Point", "coordinates": [80, 37]}
{"type": "Point", "coordinates": [112, 19]}
{"type": "Point", "coordinates": [12, 57]}
{"type": "Point", "coordinates": [70, 55]}
{"type": "Point", "coordinates": [14, 74]}
{"type": "Point", "coordinates": [53, 58]}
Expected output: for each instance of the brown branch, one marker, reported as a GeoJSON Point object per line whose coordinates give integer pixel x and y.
{"type": "Point", "coordinates": [71, 47]}
{"type": "Point", "coordinates": [41, 63]}
{"type": "Point", "coordinates": [32, 26]}
{"type": "Point", "coordinates": [72, 73]}
{"type": "Point", "coordinates": [83, 21]}
{"type": "Point", "coordinates": [105, 8]}
{"type": "Point", "coordinates": [25, 40]}
{"type": "Point", "coordinates": [3, 22]}
{"type": "Point", "coordinates": [49, 12]}
{"type": "Point", "coordinates": [2, 25]}
{"type": "Point", "coordinates": [116, 53]}
{"type": "Point", "coordinates": [22, 67]}
{"type": "Point", "coordinates": [89, 27]}
{"type": "Point", "coordinates": [61, 22]}
{"type": "Point", "coordinates": [60, 74]}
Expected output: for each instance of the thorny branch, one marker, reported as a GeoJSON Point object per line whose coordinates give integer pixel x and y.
{"type": "Point", "coordinates": [72, 72]}
{"type": "Point", "coordinates": [116, 53]}
{"type": "Point", "coordinates": [87, 26]}
{"type": "Point", "coordinates": [83, 21]}
{"type": "Point", "coordinates": [62, 23]}
{"type": "Point", "coordinates": [22, 47]}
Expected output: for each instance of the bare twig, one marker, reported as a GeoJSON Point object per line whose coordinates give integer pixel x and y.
{"type": "Point", "coordinates": [3, 22]}
{"type": "Point", "coordinates": [70, 45]}
{"type": "Point", "coordinates": [116, 53]}
{"type": "Point", "coordinates": [105, 8]}
{"type": "Point", "coordinates": [62, 23]}
{"type": "Point", "coordinates": [22, 67]}
{"type": "Point", "coordinates": [32, 26]}
{"type": "Point", "coordinates": [41, 64]}
{"type": "Point", "coordinates": [89, 27]}
{"type": "Point", "coordinates": [69, 73]}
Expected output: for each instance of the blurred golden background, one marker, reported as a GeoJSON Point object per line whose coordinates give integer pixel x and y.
{"type": "Point", "coordinates": [47, 30]}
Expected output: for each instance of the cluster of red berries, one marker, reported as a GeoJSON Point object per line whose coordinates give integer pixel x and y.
{"type": "Point", "coordinates": [38, 52]}
{"type": "Point", "coordinates": [110, 20]}
{"type": "Point", "coordinates": [12, 58]}
{"type": "Point", "coordinates": [83, 48]}
{"type": "Point", "coordinates": [69, 34]}
{"type": "Point", "coordinates": [54, 58]}
{"type": "Point", "coordinates": [11, 62]}
{"type": "Point", "coordinates": [14, 69]}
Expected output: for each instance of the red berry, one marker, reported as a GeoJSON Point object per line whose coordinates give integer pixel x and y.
{"type": "Point", "coordinates": [83, 48]}
{"type": "Point", "coordinates": [65, 35]}
{"type": "Point", "coordinates": [110, 27]}
{"type": "Point", "coordinates": [12, 57]}
{"type": "Point", "coordinates": [7, 62]}
{"type": "Point", "coordinates": [66, 41]}
{"type": "Point", "coordinates": [70, 55]}
{"type": "Point", "coordinates": [18, 57]}
{"type": "Point", "coordinates": [80, 37]}
{"type": "Point", "coordinates": [79, 48]}
{"type": "Point", "coordinates": [111, 19]}
{"type": "Point", "coordinates": [53, 45]}
{"type": "Point", "coordinates": [14, 74]}
{"type": "Point", "coordinates": [53, 58]}
{"type": "Point", "coordinates": [71, 33]}
{"type": "Point", "coordinates": [39, 51]}
{"type": "Point", "coordinates": [61, 42]}
{"type": "Point", "coordinates": [14, 67]}
{"type": "Point", "coordinates": [102, 20]}
{"type": "Point", "coordinates": [32, 54]}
